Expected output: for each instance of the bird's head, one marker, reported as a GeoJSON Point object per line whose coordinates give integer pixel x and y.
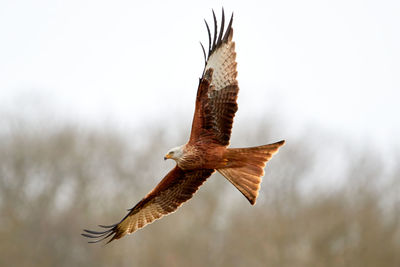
{"type": "Point", "coordinates": [174, 153]}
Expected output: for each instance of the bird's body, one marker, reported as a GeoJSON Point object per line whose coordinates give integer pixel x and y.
{"type": "Point", "coordinates": [208, 148]}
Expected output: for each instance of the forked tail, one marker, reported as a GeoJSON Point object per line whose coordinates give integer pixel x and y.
{"type": "Point", "coordinates": [245, 167]}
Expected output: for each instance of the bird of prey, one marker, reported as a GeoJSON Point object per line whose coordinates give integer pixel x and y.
{"type": "Point", "coordinates": [207, 149]}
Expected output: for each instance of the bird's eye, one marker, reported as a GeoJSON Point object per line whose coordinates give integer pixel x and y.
{"type": "Point", "coordinates": [171, 152]}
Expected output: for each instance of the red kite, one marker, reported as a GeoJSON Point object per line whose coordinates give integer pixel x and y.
{"type": "Point", "coordinates": [207, 149]}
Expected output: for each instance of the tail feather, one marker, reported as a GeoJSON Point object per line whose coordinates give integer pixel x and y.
{"type": "Point", "coordinates": [245, 167]}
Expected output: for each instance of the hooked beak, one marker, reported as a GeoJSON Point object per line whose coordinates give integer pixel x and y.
{"type": "Point", "coordinates": [167, 157]}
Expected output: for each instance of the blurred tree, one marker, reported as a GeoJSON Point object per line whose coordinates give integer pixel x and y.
{"type": "Point", "coordinates": [56, 180]}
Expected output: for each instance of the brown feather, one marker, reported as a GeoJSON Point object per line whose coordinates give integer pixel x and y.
{"type": "Point", "coordinates": [245, 167]}
{"type": "Point", "coordinates": [177, 187]}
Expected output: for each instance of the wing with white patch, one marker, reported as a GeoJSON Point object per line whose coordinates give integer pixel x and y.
{"type": "Point", "coordinates": [218, 89]}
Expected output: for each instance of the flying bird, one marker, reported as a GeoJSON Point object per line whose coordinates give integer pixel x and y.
{"type": "Point", "coordinates": [207, 149]}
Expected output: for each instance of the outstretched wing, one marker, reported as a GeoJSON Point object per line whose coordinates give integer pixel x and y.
{"type": "Point", "coordinates": [177, 187]}
{"type": "Point", "coordinates": [218, 89]}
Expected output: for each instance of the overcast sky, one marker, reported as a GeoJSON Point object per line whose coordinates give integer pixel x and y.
{"type": "Point", "coordinates": [329, 64]}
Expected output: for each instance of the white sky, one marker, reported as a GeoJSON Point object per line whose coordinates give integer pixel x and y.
{"type": "Point", "coordinates": [328, 64]}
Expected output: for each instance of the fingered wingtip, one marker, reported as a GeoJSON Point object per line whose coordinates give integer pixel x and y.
{"type": "Point", "coordinates": [99, 236]}
{"type": "Point", "coordinates": [220, 34]}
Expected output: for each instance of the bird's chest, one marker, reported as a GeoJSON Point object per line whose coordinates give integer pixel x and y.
{"type": "Point", "coordinates": [198, 158]}
{"type": "Point", "coordinates": [192, 159]}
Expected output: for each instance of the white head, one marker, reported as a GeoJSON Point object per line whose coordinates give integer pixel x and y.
{"type": "Point", "coordinates": [175, 153]}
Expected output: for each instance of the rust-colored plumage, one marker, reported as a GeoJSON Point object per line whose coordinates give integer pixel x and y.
{"type": "Point", "coordinates": [207, 149]}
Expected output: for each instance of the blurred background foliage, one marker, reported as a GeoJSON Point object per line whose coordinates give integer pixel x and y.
{"type": "Point", "coordinates": [324, 201]}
